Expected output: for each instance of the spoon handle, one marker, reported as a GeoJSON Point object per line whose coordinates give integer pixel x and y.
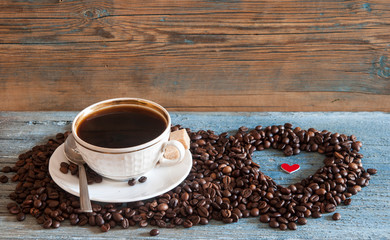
{"type": "Point", "coordinates": [85, 202]}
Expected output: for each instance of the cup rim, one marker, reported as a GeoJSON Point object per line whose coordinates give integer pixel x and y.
{"type": "Point", "coordinates": [142, 102]}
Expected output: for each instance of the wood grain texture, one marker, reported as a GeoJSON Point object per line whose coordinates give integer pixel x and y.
{"type": "Point", "coordinates": [197, 55]}
{"type": "Point", "coordinates": [366, 218]}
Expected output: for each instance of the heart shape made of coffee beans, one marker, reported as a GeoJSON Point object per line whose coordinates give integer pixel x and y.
{"type": "Point", "coordinates": [229, 165]}
{"type": "Point", "coordinates": [224, 184]}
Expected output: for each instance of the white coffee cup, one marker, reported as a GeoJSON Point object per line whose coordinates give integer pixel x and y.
{"type": "Point", "coordinates": [129, 162]}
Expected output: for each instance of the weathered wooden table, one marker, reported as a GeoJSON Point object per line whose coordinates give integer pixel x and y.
{"type": "Point", "coordinates": [366, 218]}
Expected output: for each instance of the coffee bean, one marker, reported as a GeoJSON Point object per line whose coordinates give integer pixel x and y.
{"type": "Point", "coordinates": [64, 170]}
{"type": "Point", "coordinates": [161, 223]}
{"type": "Point", "coordinates": [302, 221]}
{"type": "Point", "coordinates": [14, 210]}
{"type": "Point", "coordinates": [138, 218]}
{"type": "Point", "coordinates": [361, 181]}
{"type": "Point", "coordinates": [275, 214]}
{"type": "Point", "coordinates": [336, 216]}
{"type": "Point", "coordinates": [316, 208]}
{"type": "Point", "coordinates": [274, 224]}
{"type": "Point", "coordinates": [372, 171]}
{"type": "Point", "coordinates": [6, 169]}
{"type": "Point", "coordinates": [203, 212]}
{"type": "Point", "coordinates": [11, 205]}
{"type": "Point", "coordinates": [125, 223]}
{"type": "Point", "coordinates": [187, 224]}
{"type": "Point", "coordinates": [316, 215]}
{"type": "Point", "coordinates": [132, 182]}
{"type": "Point", "coordinates": [117, 217]}
{"type": "Point", "coordinates": [189, 210]}
{"type": "Point", "coordinates": [254, 212]}
{"type": "Point", "coordinates": [204, 221]}
{"type": "Point", "coordinates": [21, 216]}
{"type": "Point", "coordinates": [262, 205]}
{"type": "Point", "coordinates": [320, 191]}
{"type": "Point", "coordinates": [56, 224]}
{"type": "Point", "coordinates": [352, 190]}
{"type": "Point", "coordinates": [227, 170]}
{"type": "Point", "coordinates": [178, 221]}
{"type": "Point", "coordinates": [142, 179]}
{"type": "Point", "coordinates": [37, 203]}
{"type": "Point", "coordinates": [91, 220]}
{"type": "Point", "coordinates": [227, 220]}
{"type": "Point", "coordinates": [129, 213]}
{"type": "Point", "coordinates": [105, 227]}
{"type": "Point", "coordinates": [3, 179]}
{"type": "Point", "coordinates": [74, 221]}
{"type": "Point", "coordinates": [195, 219]}
{"type": "Point", "coordinates": [143, 223]}
{"type": "Point", "coordinates": [283, 226]}
{"type": "Point", "coordinates": [185, 196]}
{"type": "Point", "coordinates": [154, 232]}
{"type": "Point", "coordinates": [264, 218]}
{"type": "Point", "coordinates": [48, 222]}
{"type": "Point", "coordinates": [226, 213]}
{"type": "Point", "coordinates": [301, 208]}
{"type": "Point", "coordinates": [347, 201]}
{"type": "Point", "coordinates": [282, 220]}
{"type": "Point", "coordinates": [162, 207]}
{"type": "Point", "coordinates": [52, 203]}
{"type": "Point", "coordinates": [83, 220]}
{"type": "Point", "coordinates": [99, 220]}
{"type": "Point", "coordinates": [41, 219]}
{"type": "Point", "coordinates": [292, 226]}
{"type": "Point", "coordinates": [330, 207]}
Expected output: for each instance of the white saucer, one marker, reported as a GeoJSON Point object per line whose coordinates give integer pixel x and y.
{"type": "Point", "coordinates": [159, 181]}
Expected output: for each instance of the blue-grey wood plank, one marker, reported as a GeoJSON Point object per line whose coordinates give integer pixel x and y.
{"type": "Point", "coordinates": [366, 218]}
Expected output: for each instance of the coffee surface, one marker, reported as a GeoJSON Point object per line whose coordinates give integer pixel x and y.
{"type": "Point", "coordinates": [121, 127]}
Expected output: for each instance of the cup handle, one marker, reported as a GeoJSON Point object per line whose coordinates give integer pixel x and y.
{"type": "Point", "coordinates": [169, 162]}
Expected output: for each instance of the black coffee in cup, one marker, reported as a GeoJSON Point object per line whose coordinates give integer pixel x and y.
{"type": "Point", "coordinates": [121, 126]}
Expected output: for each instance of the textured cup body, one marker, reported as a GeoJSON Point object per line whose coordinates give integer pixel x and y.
{"type": "Point", "coordinates": [122, 166]}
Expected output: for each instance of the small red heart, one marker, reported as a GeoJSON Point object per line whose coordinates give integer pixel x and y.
{"type": "Point", "coordinates": [290, 169]}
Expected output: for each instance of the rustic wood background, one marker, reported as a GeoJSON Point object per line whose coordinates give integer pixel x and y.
{"type": "Point", "coordinates": [196, 55]}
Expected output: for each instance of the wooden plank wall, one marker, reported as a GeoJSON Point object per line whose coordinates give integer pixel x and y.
{"type": "Point", "coordinates": [196, 55]}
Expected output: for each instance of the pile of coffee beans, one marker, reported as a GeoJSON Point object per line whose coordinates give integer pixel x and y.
{"type": "Point", "coordinates": [92, 176]}
{"type": "Point", "coordinates": [224, 184]}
